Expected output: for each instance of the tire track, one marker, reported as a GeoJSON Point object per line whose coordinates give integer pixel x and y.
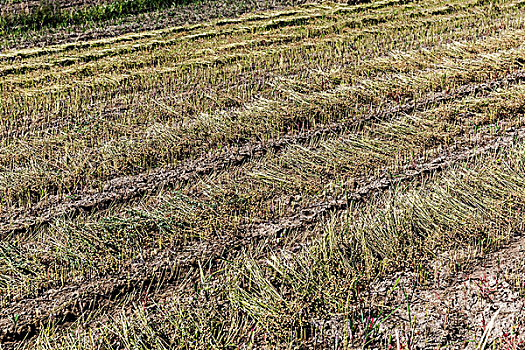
{"type": "Point", "coordinates": [127, 188]}
{"type": "Point", "coordinates": [22, 320]}
{"type": "Point", "coordinates": [446, 159]}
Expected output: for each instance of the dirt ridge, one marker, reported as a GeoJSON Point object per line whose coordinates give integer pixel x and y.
{"type": "Point", "coordinates": [68, 303]}
{"type": "Point", "coordinates": [126, 188]}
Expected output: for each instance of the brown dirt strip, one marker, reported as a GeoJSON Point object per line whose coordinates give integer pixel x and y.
{"type": "Point", "coordinates": [127, 188]}
{"type": "Point", "coordinates": [23, 319]}
{"type": "Point", "coordinates": [446, 158]}
{"type": "Point", "coordinates": [458, 310]}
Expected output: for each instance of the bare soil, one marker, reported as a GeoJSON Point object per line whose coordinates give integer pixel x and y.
{"type": "Point", "coordinates": [459, 309]}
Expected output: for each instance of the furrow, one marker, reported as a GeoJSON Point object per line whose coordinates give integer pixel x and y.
{"type": "Point", "coordinates": [446, 158]}
{"type": "Point", "coordinates": [23, 320]}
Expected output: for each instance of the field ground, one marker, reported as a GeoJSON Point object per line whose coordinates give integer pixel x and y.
{"type": "Point", "coordinates": [262, 174]}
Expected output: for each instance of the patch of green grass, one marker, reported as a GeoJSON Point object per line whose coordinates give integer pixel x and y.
{"type": "Point", "coordinates": [49, 14]}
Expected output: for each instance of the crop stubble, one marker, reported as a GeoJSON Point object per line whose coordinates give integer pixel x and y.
{"type": "Point", "coordinates": [436, 80]}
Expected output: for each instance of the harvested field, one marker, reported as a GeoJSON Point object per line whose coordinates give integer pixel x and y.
{"type": "Point", "coordinates": [41, 23]}
{"type": "Point", "coordinates": [281, 174]}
